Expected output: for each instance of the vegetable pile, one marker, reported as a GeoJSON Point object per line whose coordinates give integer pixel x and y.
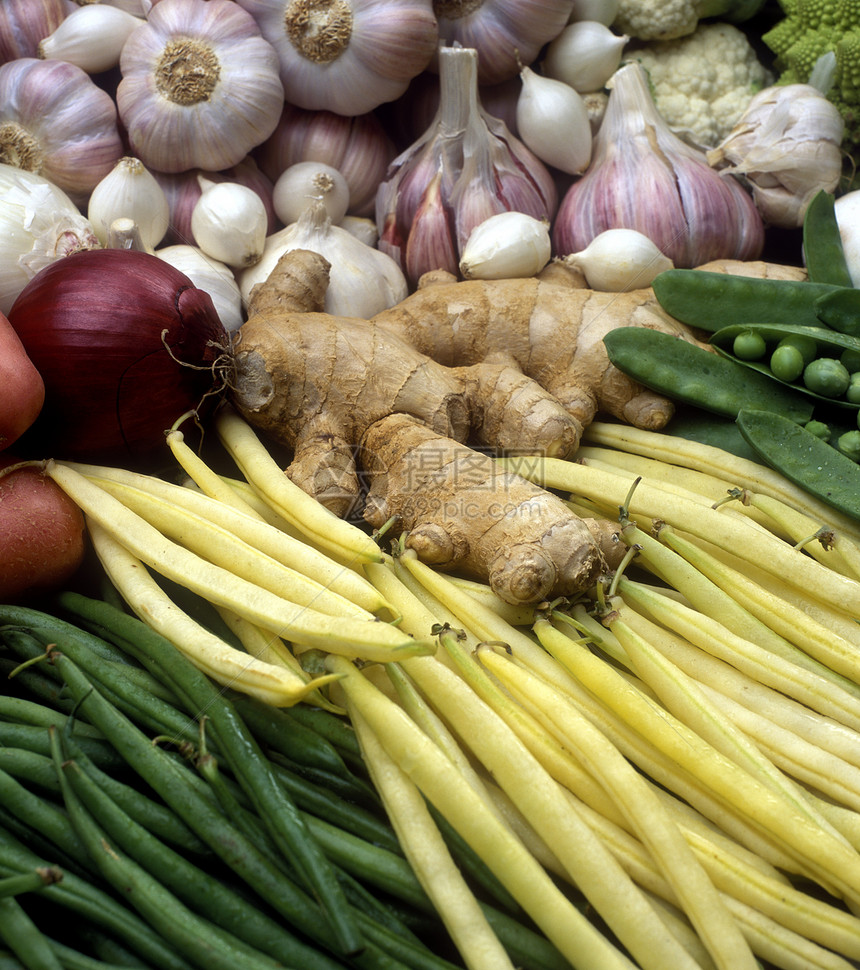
{"type": "Point", "coordinates": [422, 540]}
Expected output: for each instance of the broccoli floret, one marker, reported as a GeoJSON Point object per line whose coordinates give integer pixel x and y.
{"type": "Point", "coordinates": [812, 28]}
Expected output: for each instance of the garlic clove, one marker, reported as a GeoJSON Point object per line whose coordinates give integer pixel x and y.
{"type": "Point", "coordinates": [300, 183]}
{"type": "Point", "coordinates": [553, 121]}
{"type": "Point", "coordinates": [229, 222]}
{"type": "Point", "coordinates": [585, 55]}
{"type": "Point", "coordinates": [208, 274]}
{"type": "Point", "coordinates": [362, 227]}
{"type": "Point", "coordinates": [131, 191]}
{"type": "Point", "coordinates": [510, 245]}
{"type": "Point", "coordinates": [431, 243]}
{"type": "Point", "coordinates": [601, 11]}
{"type": "Point", "coordinates": [91, 37]}
{"type": "Point", "coordinates": [618, 260]}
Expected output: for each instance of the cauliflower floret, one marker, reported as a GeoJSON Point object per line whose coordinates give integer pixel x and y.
{"type": "Point", "coordinates": [703, 82]}
{"type": "Point", "coordinates": [668, 19]}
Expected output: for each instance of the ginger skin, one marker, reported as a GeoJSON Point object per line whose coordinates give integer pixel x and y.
{"type": "Point", "coordinates": [516, 365]}
{"type": "Point", "coordinates": [461, 511]}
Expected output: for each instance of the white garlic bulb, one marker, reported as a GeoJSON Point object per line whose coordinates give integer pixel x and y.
{"type": "Point", "coordinates": [91, 37]}
{"type": "Point", "coordinates": [347, 56]}
{"type": "Point", "coordinates": [618, 260]}
{"type": "Point", "coordinates": [39, 224]}
{"type": "Point", "coordinates": [300, 183]}
{"type": "Point", "coordinates": [363, 280]}
{"type": "Point", "coordinates": [229, 222]}
{"type": "Point", "coordinates": [553, 122]}
{"type": "Point", "coordinates": [585, 55]}
{"type": "Point", "coordinates": [55, 121]}
{"type": "Point", "coordinates": [211, 275]}
{"type": "Point", "coordinates": [130, 191]}
{"type": "Point", "coordinates": [510, 245]}
{"type": "Point", "coordinates": [200, 86]}
{"type": "Point", "coordinates": [787, 145]}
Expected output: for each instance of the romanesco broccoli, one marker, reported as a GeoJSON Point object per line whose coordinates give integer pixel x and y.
{"type": "Point", "coordinates": [812, 28]}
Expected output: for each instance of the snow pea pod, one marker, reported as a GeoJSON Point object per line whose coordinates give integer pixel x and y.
{"type": "Point", "coordinates": [840, 310]}
{"type": "Point", "coordinates": [822, 244]}
{"type": "Point", "coordinates": [707, 300]}
{"type": "Point", "coordinates": [803, 458]}
{"type": "Point", "coordinates": [829, 343]}
{"type": "Point", "coordinates": [685, 372]}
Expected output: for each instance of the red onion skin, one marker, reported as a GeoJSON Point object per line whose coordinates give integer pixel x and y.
{"type": "Point", "coordinates": [92, 325]}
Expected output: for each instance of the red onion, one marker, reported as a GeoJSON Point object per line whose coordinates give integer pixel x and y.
{"type": "Point", "coordinates": [125, 345]}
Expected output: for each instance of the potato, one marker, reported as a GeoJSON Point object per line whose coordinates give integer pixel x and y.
{"type": "Point", "coordinates": [22, 391]}
{"type": "Point", "coordinates": [42, 534]}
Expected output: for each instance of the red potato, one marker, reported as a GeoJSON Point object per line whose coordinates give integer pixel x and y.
{"type": "Point", "coordinates": [22, 391]}
{"type": "Point", "coordinates": [42, 534]}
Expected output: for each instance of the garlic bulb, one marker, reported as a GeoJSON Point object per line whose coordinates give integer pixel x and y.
{"type": "Point", "coordinates": [465, 168]}
{"type": "Point", "coordinates": [507, 34]}
{"type": "Point", "coordinates": [644, 177]}
{"type": "Point", "coordinates": [510, 245]}
{"type": "Point", "coordinates": [363, 280]}
{"type": "Point", "coordinates": [91, 37]}
{"type": "Point", "coordinates": [208, 274]}
{"type": "Point", "coordinates": [55, 121]}
{"type": "Point", "coordinates": [130, 190]}
{"type": "Point", "coordinates": [229, 223]}
{"type": "Point", "coordinates": [39, 224]}
{"type": "Point", "coordinates": [553, 121]}
{"type": "Point", "coordinates": [786, 145]}
{"type": "Point", "coordinates": [585, 55]}
{"type": "Point", "coordinates": [200, 86]}
{"type": "Point", "coordinates": [619, 259]}
{"type": "Point", "coordinates": [182, 190]}
{"type": "Point", "coordinates": [358, 147]}
{"type": "Point", "coordinates": [304, 181]}
{"type": "Point", "coordinates": [24, 23]}
{"type": "Point", "coordinates": [847, 210]}
{"type": "Point", "coordinates": [347, 56]}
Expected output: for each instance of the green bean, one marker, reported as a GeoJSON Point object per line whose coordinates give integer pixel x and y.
{"type": "Point", "coordinates": [109, 950]}
{"type": "Point", "coordinates": [24, 711]}
{"type": "Point", "coordinates": [804, 459]}
{"type": "Point", "coordinates": [199, 890]}
{"type": "Point", "coordinates": [40, 844]}
{"type": "Point", "coordinates": [202, 942]}
{"type": "Point", "coordinates": [35, 768]}
{"type": "Point", "coordinates": [329, 726]}
{"type": "Point", "coordinates": [244, 756]}
{"type": "Point", "coordinates": [30, 681]}
{"type": "Point", "coordinates": [93, 905]}
{"type": "Point", "coordinates": [822, 244]}
{"type": "Point", "coordinates": [684, 372]}
{"type": "Point", "coordinates": [30, 882]}
{"type": "Point", "coordinates": [24, 938]}
{"type": "Point", "coordinates": [72, 959]}
{"type": "Point", "coordinates": [45, 816]}
{"type": "Point", "coordinates": [34, 738]}
{"type": "Point", "coordinates": [709, 300]}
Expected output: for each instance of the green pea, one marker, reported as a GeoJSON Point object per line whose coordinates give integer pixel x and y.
{"type": "Point", "coordinates": [851, 360]}
{"type": "Point", "coordinates": [849, 444]}
{"type": "Point", "coordinates": [787, 362]}
{"type": "Point", "coordinates": [826, 376]}
{"type": "Point", "coordinates": [749, 345]}
{"type": "Point", "coordinates": [807, 346]}
{"type": "Point", "coordinates": [852, 393]}
{"type": "Point", "coordinates": [819, 429]}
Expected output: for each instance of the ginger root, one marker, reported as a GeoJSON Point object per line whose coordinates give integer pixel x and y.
{"type": "Point", "coordinates": [518, 366]}
{"type": "Point", "coordinates": [460, 510]}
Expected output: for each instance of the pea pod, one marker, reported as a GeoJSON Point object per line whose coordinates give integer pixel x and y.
{"type": "Point", "coordinates": [830, 344]}
{"type": "Point", "coordinates": [822, 244]}
{"type": "Point", "coordinates": [804, 459]}
{"type": "Point", "coordinates": [840, 310]}
{"type": "Point", "coordinates": [707, 300]}
{"type": "Point", "coordinates": [686, 372]}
